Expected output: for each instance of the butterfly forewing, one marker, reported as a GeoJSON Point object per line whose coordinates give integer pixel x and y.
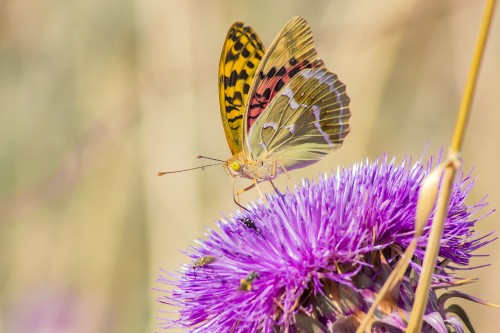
{"type": "Point", "coordinates": [241, 55]}
{"type": "Point", "coordinates": [307, 120]}
{"type": "Point", "coordinates": [292, 51]}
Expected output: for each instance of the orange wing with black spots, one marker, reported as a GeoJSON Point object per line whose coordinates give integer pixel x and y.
{"type": "Point", "coordinates": [291, 52]}
{"type": "Point", "coordinates": [241, 55]}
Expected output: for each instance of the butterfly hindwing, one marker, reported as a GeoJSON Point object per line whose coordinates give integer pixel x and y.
{"type": "Point", "coordinates": [308, 119]}
{"type": "Point", "coordinates": [292, 51]}
{"type": "Point", "coordinates": [241, 55]}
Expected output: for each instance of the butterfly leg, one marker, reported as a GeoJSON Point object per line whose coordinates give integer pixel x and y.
{"type": "Point", "coordinates": [284, 169]}
{"type": "Point", "coordinates": [258, 189]}
{"type": "Point", "coordinates": [255, 184]}
{"type": "Point", "coordinates": [274, 169]}
{"type": "Point", "coordinates": [275, 188]}
{"type": "Point", "coordinates": [243, 191]}
{"type": "Point", "coordinates": [273, 176]}
{"type": "Point", "coordinates": [236, 198]}
{"type": "Point", "coordinates": [287, 174]}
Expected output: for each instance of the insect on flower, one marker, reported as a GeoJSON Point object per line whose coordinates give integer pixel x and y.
{"type": "Point", "coordinates": [281, 109]}
{"type": "Point", "coordinates": [203, 261]}
{"type": "Point", "coordinates": [249, 223]}
{"type": "Point", "coordinates": [328, 249]}
{"type": "Point", "coordinates": [247, 282]}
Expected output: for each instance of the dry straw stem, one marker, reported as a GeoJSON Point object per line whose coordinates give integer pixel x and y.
{"type": "Point", "coordinates": [451, 166]}
{"type": "Point", "coordinates": [424, 283]}
{"type": "Point", "coordinates": [427, 197]}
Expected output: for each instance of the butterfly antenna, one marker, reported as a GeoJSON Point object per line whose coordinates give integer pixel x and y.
{"type": "Point", "coordinates": [201, 167]}
{"type": "Point", "coordinates": [210, 158]}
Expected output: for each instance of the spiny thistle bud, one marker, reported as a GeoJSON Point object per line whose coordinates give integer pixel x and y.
{"type": "Point", "coordinates": [314, 260]}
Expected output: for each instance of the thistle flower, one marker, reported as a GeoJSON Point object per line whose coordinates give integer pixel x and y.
{"type": "Point", "coordinates": [314, 260]}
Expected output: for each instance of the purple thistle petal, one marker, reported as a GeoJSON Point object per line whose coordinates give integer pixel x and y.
{"type": "Point", "coordinates": [324, 231]}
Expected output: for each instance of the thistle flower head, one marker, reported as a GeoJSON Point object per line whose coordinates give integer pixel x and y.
{"type": "Point", "coordinates": [314, 259]}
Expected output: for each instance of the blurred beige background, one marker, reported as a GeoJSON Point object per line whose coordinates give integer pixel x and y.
{"type": "Point", "coordinates": [96, 97]}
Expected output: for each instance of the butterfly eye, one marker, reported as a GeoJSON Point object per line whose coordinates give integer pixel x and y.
{"type": "Point", "coordinates": [235, 165]}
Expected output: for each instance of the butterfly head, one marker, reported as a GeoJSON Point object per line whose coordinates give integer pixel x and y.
{"type": "Point", "coordinates": [234, 166]}
{"type": "Point", "coordinates": [258, 169]}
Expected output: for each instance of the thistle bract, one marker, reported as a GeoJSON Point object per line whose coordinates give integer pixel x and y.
{"type": "Point", "coordinates": [314, 259]}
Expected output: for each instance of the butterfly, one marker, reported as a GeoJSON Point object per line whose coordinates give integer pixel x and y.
{"type": "Point", "coordinates": [281, 109]}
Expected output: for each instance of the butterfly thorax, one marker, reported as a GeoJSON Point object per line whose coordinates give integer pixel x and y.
{"type": "Point", "coordinates": [259, 169]}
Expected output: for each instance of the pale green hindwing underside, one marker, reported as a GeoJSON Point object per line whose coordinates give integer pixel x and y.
{"type": "Point", "coordinates": [308, 119]}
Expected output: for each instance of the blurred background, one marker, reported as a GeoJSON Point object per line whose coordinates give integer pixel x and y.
{"type": "Point", "coordinates": [96, 97]}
